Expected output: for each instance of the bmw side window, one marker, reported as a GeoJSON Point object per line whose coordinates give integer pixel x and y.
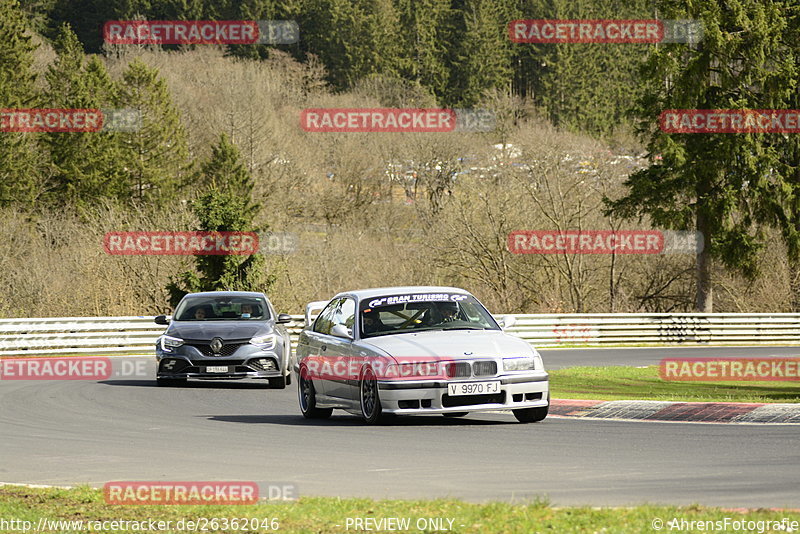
{"type": "Point", "coordinates": [346, 314]}
{"type": "Point", "coordinates": [324, 322]}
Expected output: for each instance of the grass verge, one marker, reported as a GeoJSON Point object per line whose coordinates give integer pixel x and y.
{"type": "Point", "coordinates": [643, 383]}
{"type": "Point", "coordinates": [330, 515]}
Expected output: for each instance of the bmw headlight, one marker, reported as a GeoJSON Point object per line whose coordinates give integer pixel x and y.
{"type": "Point", "coordinates": [524, 363]}
{"type": "Point", "coordinates": [168, 343]}
{"type": "Point", "coordinates": [264, 342]}
{"type": "Point", "coordinates": [519, 364]}
{"type": "Point", "coordinates": [415, 370]}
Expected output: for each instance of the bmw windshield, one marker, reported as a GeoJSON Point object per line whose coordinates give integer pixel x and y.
{"type": "Point", "coordinates": [396, 314]}
{"type": "Point", "coordinates": [221, 309]}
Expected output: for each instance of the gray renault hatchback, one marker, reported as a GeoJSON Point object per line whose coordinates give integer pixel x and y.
{"type": "Point", "coordinates": [223, 335]}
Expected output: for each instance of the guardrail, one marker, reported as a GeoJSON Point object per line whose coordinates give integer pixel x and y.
{"type": "Point", "coordinates": [658, 328]}
{"type": "Point", "coordinates": [137, 335]}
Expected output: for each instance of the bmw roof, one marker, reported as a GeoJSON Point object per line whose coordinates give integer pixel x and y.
{"type": "Point", "coordinates": [380, 291]}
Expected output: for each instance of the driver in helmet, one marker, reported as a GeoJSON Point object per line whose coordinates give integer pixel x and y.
{"type": "Point", "coordinates": [371, 322]}
{"type": "Point", "coordinates": [449, 311]}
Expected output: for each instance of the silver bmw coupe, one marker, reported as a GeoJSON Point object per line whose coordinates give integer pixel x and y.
{"type": "Point", "coordinates": [415, 350]}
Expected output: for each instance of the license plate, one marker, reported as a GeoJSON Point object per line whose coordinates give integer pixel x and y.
{"type": "Point", "coordinates": [217, 369]}
{"type": "Point", "coordinates": [473, 388]}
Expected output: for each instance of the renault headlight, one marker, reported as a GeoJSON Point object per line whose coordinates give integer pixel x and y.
{"type": "Point", "coordinates": [168, 343]}
{"type": "Point", "coordinates": [264, 342]}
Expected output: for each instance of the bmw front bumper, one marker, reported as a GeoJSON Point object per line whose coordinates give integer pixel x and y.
{"type": "Point", "coordinates": [517, 391]}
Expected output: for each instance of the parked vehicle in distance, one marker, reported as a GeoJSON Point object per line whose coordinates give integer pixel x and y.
{"type": "Point", "coordinates": [415, 350]}
{"type": "Point", "coordinates": [224, 335]}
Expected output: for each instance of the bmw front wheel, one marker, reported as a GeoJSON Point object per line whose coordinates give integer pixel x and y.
{"type": "Point", "coordinates": [371, 409]}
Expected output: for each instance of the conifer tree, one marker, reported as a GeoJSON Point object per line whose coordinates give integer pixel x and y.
{"type": "Point", "coordinates": [156, 155]}
{"type": "Point", "coordinates": [786, 202]}
{"type": "Point", "coordinates": [226, 171]}
{"type": "Point", "coordinates": [586, 87]}
{"type": "Point", "coordinates": [718, 184]}
{"type": "Point", "coordinates": [87, 166]}
{"type": "Point", "coordinates": [21, 164]}
{"type": "Point", "coordinates": [425, 43]}
{"type": "Point", "coordinates": [226, 206]}
{"type": "Point", "coordinates": [354, 39]}
{"type": "Point", "coordinates": [483, 55]}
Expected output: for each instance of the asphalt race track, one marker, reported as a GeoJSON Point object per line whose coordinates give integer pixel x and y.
{"type": "Point", "coordinates": [70, 432]}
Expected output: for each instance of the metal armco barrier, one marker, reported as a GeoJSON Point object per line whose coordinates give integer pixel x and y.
{"type": "Point", "coordinates": [137, 335]}
{"type": "Point", "coordinates": [658, 328]}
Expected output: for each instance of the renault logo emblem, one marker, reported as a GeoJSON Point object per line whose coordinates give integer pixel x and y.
{"type": "Point", "coordinates": [216, 345]}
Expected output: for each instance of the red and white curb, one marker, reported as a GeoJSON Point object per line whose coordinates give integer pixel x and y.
{"type": "Point", "coordinates": [691, 412]}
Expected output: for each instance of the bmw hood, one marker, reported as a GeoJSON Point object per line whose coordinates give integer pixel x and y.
{"type": "Point", "coordinates": [451, 344]}
{"type": "Point", "coordinates": [208, 330]}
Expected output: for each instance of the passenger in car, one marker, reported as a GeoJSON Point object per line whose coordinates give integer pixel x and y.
{"type": "Point", "coordinates": [372, 322]}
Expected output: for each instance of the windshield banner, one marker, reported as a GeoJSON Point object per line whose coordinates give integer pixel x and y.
{"type": "Point", "coordinates": [416, 297]}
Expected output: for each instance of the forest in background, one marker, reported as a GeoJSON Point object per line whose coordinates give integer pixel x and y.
{"type": "Point", "coordinates": [373, 209]}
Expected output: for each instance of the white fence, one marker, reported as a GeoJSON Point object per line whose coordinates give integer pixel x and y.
{"type": "Point", "coordinates": [137, 335]}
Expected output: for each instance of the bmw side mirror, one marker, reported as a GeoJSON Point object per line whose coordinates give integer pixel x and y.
{"type": "Point", "coordinates": [341, 330]}
{"type": "Point", "coordinates": [508, 321]}
{"type": "Point", "coordinates": [161, 319]}
{"type": "Point", "coordinates": [283, 318]}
